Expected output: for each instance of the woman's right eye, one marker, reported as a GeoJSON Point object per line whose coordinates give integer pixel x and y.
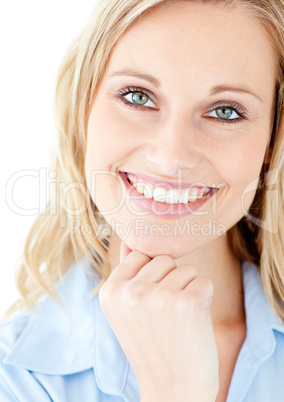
{"type": "Point", "coordinates": [137, 99]}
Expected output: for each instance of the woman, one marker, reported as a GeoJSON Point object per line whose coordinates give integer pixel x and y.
{"type": "Point", "coordinates": [171, 113]}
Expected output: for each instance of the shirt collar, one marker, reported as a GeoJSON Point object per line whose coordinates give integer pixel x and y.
{"type": "Point", "coordinates": [260, 319]}
{"type": "Point", "coordinates": [56, 344]}
{"type": "Point", "coordinates": [55, 341]}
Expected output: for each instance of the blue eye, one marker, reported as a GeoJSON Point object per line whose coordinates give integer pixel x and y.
{"type": "Point", "coordinates": [226, 113]}
{"type": "Point", "coordinates": [139, 98]}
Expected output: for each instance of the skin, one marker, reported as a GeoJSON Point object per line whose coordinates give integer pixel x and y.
{"type": "Point", "coordinates": [181, 136]}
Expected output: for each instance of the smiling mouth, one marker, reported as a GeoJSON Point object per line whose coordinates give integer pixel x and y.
{"type": "Point", "coordinates": [167, 206]}
{"type": "Point", "coordinates": [174, 196]}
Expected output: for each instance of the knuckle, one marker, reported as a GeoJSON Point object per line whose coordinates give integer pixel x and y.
{"type": "Point", "coordinates": [162, 293]}
{"type": "Point", "coordinates": [182, 303]}
{"type": "Point", "coordinates": [205, 283]}
{"type": "Point", "coordinates": [106, 292]}
{"type": "Point", "coordinates": [133, 292]}
{"type": "Point", "coordinates": [189, 268]}
{"type": "Point", "coordinates": [161, 297]}
{"type": "Point", "coordinates": [137, 253]}
{"type": "Point", "coordinates": [164, 259]}
{"type": "Point", "coordinates": [138, 256]}
{"type": "Point", "coordinates": [201, 291]}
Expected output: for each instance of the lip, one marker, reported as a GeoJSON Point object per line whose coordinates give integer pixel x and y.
{"type": "Point", "coordinates": [163, 210]}
{"type": "Point", "coordinates": [165, 183]}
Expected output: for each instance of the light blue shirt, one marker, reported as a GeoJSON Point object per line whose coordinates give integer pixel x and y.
{"type": "Point", "coordinates": [54, 358]}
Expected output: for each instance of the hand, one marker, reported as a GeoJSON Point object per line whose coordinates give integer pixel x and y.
{"type": "Point", "coordinates": [160, 315]}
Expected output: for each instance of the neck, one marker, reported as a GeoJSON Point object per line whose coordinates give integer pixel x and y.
{"type": "Point", "coordinates": [217, 262]}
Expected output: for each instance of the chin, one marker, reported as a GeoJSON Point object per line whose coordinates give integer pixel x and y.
{"type": "Point", "coordinates": [154, 248]}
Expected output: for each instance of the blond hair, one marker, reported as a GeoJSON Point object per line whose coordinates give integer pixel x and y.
{"type": "Point", "coordinates": [52, 246]}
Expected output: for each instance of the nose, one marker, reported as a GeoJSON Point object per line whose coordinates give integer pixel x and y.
{"type": "Point", "coordinates": [174, 145]}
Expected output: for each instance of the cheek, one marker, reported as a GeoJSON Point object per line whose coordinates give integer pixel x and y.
{"type": "Point", "coordinates": [105, 143]}
{"type": "Point", "coordinates": [112, 135]}
{"type": "Point", "coordinates": [107, 192]}
{"type": "Point", "coordinates": [240, 161]}
{"type": "Point", "coordinates": [240, 170]}
{"type": "Point", "coordinates": [107, 150]}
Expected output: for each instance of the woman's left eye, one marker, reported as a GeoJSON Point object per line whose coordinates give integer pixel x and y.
{"type": "Point", "coordinates": [225, 113]}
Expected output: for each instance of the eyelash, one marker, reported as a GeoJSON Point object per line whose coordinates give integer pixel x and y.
{"type": "Point", "coordinates": [120, 95]}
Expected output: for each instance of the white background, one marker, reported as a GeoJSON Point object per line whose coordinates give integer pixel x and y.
{"type": "Point", "coordinates": [34, 36]}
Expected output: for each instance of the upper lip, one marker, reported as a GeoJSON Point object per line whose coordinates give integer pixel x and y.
{"type": "Point", "coordinates": [167, 183]}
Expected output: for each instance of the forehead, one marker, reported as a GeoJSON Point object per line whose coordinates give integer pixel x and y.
{"type": "Point", "coordinates": [188, 41]}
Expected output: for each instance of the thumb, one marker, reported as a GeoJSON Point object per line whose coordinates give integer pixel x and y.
{"type": "Point", "coordinates": [124, 251]}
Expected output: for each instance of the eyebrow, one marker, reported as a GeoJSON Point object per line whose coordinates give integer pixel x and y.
{"type": "Point", "coordinates": [214, 91]}
{"type": "Point", "coordinates": [227, 88]}
{"type": "Point", "coordinates": [133, 73]}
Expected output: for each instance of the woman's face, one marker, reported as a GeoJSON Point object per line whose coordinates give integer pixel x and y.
{"type": "Point", "coordinates": [186, 99]}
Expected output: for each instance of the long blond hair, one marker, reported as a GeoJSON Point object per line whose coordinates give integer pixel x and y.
{"type": "Point", "coordinates": [53, 245]}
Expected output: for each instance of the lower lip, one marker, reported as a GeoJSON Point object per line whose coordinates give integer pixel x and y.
{"type": "Point", "coordinates": [168, 211]}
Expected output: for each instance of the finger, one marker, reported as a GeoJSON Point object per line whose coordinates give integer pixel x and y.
{"type": "Point", "coordinates": [124, 251]}
{"type": "Point", "coordinates": [157, 268]}
{"type": "Point", "coordinates": [179, 278]}
{"type": "Point", "coordinates": [131, 263]}
{"type": "Point", "coordinates": [202, 289]}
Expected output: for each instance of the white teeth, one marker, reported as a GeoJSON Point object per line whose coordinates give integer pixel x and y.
{"type": "Point", "coordinates": [139, 187]}
{"type": "Point", "coordinates": [160, 194]}
{"type": "Point", "coordinates": [193, 196]}
{"type": "Point", "coordinates": [172, 196]}
{"type": "Point", "coordinates": [184, 196]}
{"type": "Point", "coordinates": [143, 188]}
{"type": "Point", "coordinates": [148, 191]}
